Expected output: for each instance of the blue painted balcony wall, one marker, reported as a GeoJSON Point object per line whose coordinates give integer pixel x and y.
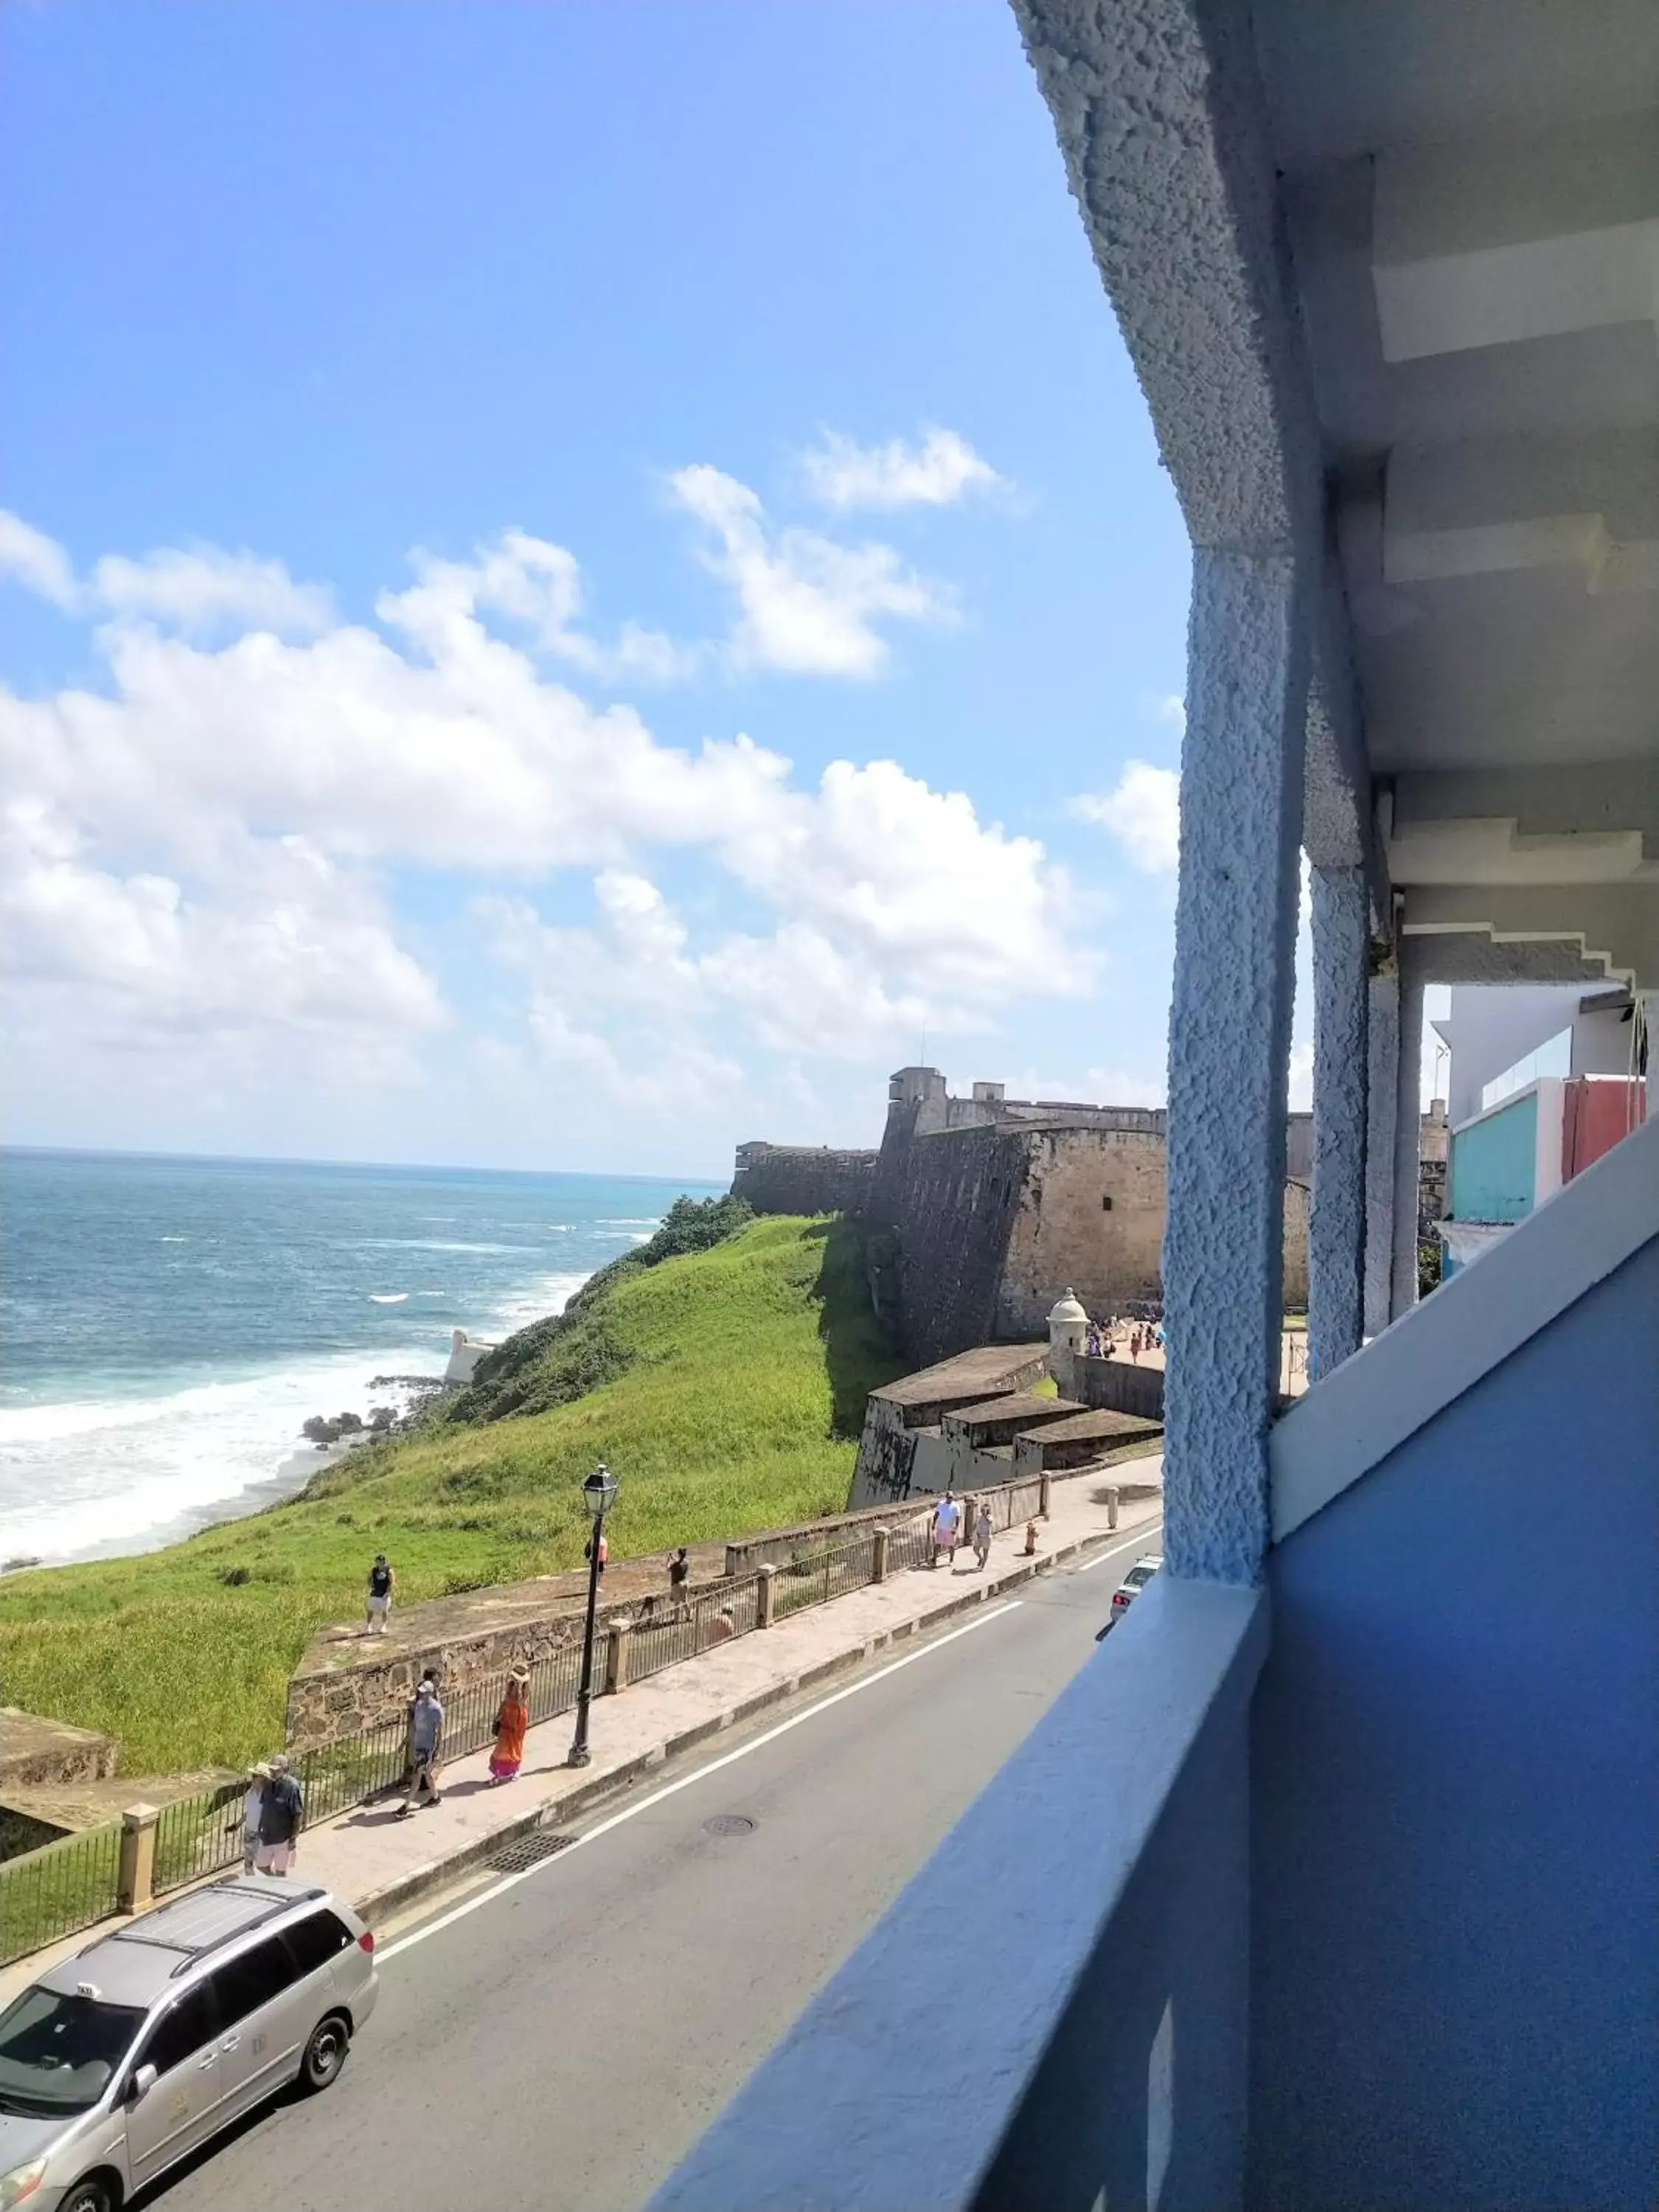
{"type": "Point", "coordinates": [1455, 1896]}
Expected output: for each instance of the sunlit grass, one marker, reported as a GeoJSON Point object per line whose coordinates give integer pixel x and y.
{"type": "Point", "coordinates": [726, 1422]}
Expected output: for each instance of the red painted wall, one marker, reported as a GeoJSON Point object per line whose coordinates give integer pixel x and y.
{"type": "Point", "coordinates": [1597, 1114]}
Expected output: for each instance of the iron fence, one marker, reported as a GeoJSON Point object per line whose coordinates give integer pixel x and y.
{"type": "Point", "coordinates": [814, 1577]}
{"type": "Point", "coordinates": [59, 1890]}
{"type": "Point", "coordinates": [693, 1624]}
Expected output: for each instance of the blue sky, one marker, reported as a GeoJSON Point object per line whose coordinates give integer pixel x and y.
{"type": "Point", "coordinates": [456, 456]}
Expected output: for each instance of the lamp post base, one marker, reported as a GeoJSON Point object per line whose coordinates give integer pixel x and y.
{"type": "Point", "coordinates": [579, 1755]}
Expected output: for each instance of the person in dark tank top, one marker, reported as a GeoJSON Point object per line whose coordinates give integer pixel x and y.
{"type": "Point", "coordinates": [380, 1581]}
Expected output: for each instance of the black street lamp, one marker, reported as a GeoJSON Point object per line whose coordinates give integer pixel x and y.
{"type": "Point", "coordinates": [597, 1492]}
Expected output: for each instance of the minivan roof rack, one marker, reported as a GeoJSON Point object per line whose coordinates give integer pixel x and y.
{"type": "Point", "coordinates": [216, 1934]}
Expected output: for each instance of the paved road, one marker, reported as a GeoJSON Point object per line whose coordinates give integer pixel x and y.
{"type": "Point", "coordinates": [559, 2046]}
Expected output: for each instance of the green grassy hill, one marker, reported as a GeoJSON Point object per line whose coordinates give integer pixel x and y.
{"type": "Point", "coordinates": [738, 1379]}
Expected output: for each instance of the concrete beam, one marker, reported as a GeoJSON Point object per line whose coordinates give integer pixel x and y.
{"type": "Point", "coordinates": [1478, 244]}
{"type": "Point", "coordinates": [1593, 797]}
{"type": "Point", "coordinates": [1339, 814]}
{"type": "Point", "coordinates": [1616, 924]}
{"type": "Point", "coordinates": [1159, 108]}
{"type": "Point", "coordinates": [1230, 1025]}
{"type": "Point", "coordinates": [1336, 1234]}
{"type": "Point", "coordinates": [1382, 1098]}
{"type": "Point", "coordinates": [1408, 1137]}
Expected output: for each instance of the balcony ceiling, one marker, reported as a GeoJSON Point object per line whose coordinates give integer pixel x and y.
{"type": "Point", "coordinates": [1472, 195]}
{"type": "Point", "coordinates": [1470, 191]}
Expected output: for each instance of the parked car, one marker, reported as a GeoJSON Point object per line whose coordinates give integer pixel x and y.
{"type": "Point", "coordinates": [121, 2061]}
{"type": "Point", "coordinates": [1122, 1598]}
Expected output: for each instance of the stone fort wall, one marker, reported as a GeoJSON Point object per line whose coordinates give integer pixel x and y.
{"type": "Point", "coordinates": [804, 1179]}
{"type": "Point", "coordinates": [984, 1211]}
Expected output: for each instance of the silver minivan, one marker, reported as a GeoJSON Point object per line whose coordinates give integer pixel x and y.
{"type": "Point", "coordinates": [123, 2060]}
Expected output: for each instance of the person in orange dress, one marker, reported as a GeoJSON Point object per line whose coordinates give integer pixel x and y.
{"type": "Point", "coordinates": [511, 1723]}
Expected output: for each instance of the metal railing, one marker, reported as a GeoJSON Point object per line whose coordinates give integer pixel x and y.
{"type": "Point", "coordinates": [59, 1890]}
{"type": "Point", "coordinates": [693, 1624]}
{"type": "Point", "coordinates": [813, 1577]}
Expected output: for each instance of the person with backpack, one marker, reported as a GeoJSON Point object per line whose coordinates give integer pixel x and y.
{"type": "Point", "coordinates": [281, 1806]}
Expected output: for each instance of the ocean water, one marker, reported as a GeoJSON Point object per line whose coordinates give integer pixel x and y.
{"type": "Point", "coordinates": [167, 1323]}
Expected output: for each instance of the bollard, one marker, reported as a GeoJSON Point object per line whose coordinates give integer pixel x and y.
{"type": "Point", "coordinates": [135, 1883]}
{"type": "Point", "coordinates": [765, 1580]}
{"type": "Point", "coordinates": [878, 1565]}
{"type": "Point", "coordinates": [618, 1650]}
{"type": "Point", "coordinates": [1045, 1493]}
{"type": "Point", "coordinates": [733, 1560]}
{"type": "Point", "coordinates": [1111, 1505]}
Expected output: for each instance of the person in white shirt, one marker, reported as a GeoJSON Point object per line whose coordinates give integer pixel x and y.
{"type": "Point", "coordinates": [947, 1528]}
{"type": "Point", "coordinates": [252, 1806]}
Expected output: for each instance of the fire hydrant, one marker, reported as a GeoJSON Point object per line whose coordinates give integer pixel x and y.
{"type": "Point", "coordinates": [1030, 1540]}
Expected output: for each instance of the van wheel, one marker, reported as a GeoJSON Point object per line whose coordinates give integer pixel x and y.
{"type": "Point", "coordinates": [94, 2194]}
{"type": "Point", "coordinates": [325, 2053]}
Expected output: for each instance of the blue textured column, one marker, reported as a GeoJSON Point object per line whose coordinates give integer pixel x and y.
{"type": "Point", "coordinates": [1230, 1030]}
{"type": "Point", "coordinates": [1408, 1137]}
{"type": "Point", "coordinates": [1336, 1229]}
{"type": "Point", "coordinates": [1382, 1059]}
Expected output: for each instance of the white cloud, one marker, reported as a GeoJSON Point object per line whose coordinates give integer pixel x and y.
{"type": "Point", "coordinates": [281, 954]}
{"type": "Point", "coordinates": [841, 473]}
{"type": "Point", "coordinates": [807, 604]}
{"type": "Point", "coordinates": [205, 589]}
{"type": "Point", "coordinates": [1142, 812]}
{"type": "Point", "coordinates": [1171, 710]}
{"type": "Point", "coordinates": [34, 561]}
{"type": "Point", "coordinates": [539, 585]}
{"type": "Point", "coordinates": [1301, 1079]}
{"type": "Point", "coordinates": [205, 851]}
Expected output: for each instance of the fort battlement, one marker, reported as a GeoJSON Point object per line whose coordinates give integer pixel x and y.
{"type": "Point", "coordinates": [984, 1208]}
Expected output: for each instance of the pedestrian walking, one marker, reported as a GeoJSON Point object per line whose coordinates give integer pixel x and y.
{"type": "Point", "coordinates": [252, 1804]}
{"type": "Point", "coordinates": [426, 1728]}
{"type": "Point", "coordinates": [1134, 1347]}
{"type": "Point", "coordinates": [947, 1530]}
{"type": "Point", "coordinates": [1093, 1344]}
{"type": "Point", "coordinates": [1030, 1540]}
{"type": "Point", "coordinates": [982, 1535]}
{"type": "Point", "coordinates": [281, 1804]}
{"type": "Point", "coordinates": [511, 1721]}
{"type": "Point", "coordinates": [604, 1552]}
{"type": "Point", "coordinates": [679, 1573]}
{"type": "Point", "coordinates": [380, 1579]}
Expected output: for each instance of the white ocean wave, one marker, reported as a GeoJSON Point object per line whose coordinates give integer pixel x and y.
{"type": "Point", "coordinates": [133, 1467]}
{"type": "Point", "coordinates": [388, 1297]}
{"type": "Point", "coordinates": [535, 1301]}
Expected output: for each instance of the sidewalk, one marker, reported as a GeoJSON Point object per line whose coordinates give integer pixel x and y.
{"type": "Point", "coordinates": [380, 1863]}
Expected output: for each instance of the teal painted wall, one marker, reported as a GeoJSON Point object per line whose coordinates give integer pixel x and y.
{"type": "Point", "coordinates": [1494, 1164]}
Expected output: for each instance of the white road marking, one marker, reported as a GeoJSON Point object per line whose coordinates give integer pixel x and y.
{"type": "Point", "coordinates": [670, 1790]}
{"type": "Point", "coordinates": [1139, 1536]}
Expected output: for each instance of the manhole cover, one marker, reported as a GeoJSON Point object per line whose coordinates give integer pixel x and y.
{"type": "Point", "coordinates": [528, 1851]}
{"type": "Point", "coordinates": [729, 1824]}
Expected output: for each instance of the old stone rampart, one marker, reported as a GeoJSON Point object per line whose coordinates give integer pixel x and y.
{"type": "Point", "coordinates": [804, 1179]}
{"type": "Point", "coordinates": [1115, 1386]}
{"type": "Point", "coordinates": [944, 1205]}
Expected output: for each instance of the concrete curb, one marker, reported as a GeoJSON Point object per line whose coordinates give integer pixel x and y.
{"type": "Point", "coordinates": [435, 1874]}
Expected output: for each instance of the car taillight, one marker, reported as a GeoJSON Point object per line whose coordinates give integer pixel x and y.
{"type": "Point", "coordinates": [366, 1941]}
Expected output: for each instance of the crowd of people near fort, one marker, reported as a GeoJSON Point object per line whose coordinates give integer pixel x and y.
{"type": "Point", "coordinates": [1107, 1339]}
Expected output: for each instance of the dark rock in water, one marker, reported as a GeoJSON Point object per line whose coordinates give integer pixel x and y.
{"type": "Point", "coordinates": [11, 1566]}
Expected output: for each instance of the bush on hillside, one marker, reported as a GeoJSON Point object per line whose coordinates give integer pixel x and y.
{"type": "Point", "coordinates": [568, 1354]}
